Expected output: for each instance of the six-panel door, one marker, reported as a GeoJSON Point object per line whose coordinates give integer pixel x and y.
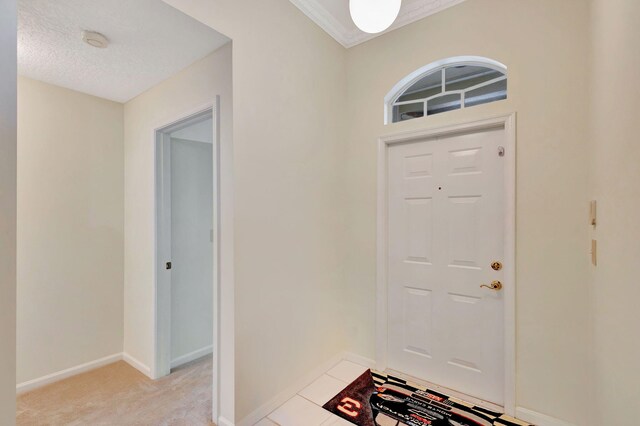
{"type": "Point", "coordinates": [445, 229]}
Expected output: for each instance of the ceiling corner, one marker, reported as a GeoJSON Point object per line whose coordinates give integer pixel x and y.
{"type": "Point", "coordinates": [333, 17]}
{"type": "Point", "coordinates": [319, 14]}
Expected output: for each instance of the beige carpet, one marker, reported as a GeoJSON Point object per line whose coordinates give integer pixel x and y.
{"type": "Point", "coordinates": [120, 395]}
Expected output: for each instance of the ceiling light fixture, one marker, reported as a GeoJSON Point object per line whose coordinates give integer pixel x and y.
{"type": "Point", "coordinates": [374, 16]}
{"type": "Point", "coordinates": [95, 39]}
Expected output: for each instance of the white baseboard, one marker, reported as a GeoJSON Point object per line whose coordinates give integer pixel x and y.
{"type": "Point", "coordinates": [140, 366]}
{"type": "Point", "coordinates": [264, 410]}
{"type": "Point", "coordinates": [224, 422]}
{"type": "Point", "coordinates": [539, 419]}
{"type": "Point", "coordinates": [69, 372]}
{"type": "Point", "coordinates": [282, 397]}
{"type": "Point", "coordinates": [358, 359]}
{"type": "Point", "coordinates": [192, 356]}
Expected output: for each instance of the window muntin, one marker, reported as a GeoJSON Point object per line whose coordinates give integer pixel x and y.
{"type": "Point", "coordinates": [448, 87]}
{"type": "Point", "coordinates": [444, 103]}
{"type": "Point", "coordinates": [462, 77]}
{"type": "Point", "coordinates": [408, 111]}
{"type": "Point", "coordinates": [425, 87]}
{"type": "Point", "coordinates": [489, 93]}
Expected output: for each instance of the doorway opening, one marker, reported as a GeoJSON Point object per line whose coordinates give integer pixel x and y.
{"type": "Point", "coordinates": [187, 243]}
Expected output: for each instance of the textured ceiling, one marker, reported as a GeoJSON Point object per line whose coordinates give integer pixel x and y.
{"type": "Point", "coordinates": [333, 16]}
{"type": "Point", "coordinates": [149, 42]}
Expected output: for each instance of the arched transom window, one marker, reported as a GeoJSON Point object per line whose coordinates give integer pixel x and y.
{"type": "Point", "coordinates": [454, 83]}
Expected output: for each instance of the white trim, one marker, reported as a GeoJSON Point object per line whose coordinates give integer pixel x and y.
{"type": "Point", "coordinates": [137, 364]}
{"type": "Point", "coordinates": [349, 37]}
{"type": "Point", "coordinates": [223, 401]}
{"type": "Point", "coordinates": [64, 374]}
{"type": "Point", "coordinates": [401, 86]}
{"type": "Point", "coordinates": [215, 392]}
{"type": "Point", "coordinates": [384, 142]}
{"type": "Point", "coordinates": [162, 246]}
{"type": "Point", "coordinates": [359, 359]}
{"type": "Point", "coordinates": [223, 318]}
{"type": "Point", "coordinates": [161, 363]}
{"type": "Point", "coordinates": [510, 318]}
{"type": "Point", "coordinates": [325, 20]}
{"type": "Point", "coordinates": [222, 421]}
{"type": "Point", "coordinates": [192, 356]}
{"type": "Point", "coordinates": [277, 400]}
{"type": "Point", "coordinates": [162, 235]}
{"type": "Point", "coordinates": [538, 418]}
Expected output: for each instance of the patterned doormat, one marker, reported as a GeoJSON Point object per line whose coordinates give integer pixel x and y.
{"type": "Point", "coordinates": [376, 399]}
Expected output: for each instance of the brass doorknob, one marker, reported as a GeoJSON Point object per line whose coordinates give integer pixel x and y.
{"type": "Point", "coordinates": [495, 285]}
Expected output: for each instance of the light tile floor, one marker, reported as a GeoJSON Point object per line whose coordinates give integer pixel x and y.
{"type": "Point", "coordinates": [305, 409]}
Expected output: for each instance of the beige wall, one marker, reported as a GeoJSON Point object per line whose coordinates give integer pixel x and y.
{"type": "Point", "coordinates": [70, 229]}
{"type": "Point", "coordinates": [184, 93]}
{"type": "Point", "coordinates": [288, 87]}
{"type": "Point", "coordinates": [7, 211]}
{"type": "Point", "coordinates": [298, 256]}
{"type": "Point", "coordinates": [615, 182]}
{"type": "Point", "coordinates": [544, 44]}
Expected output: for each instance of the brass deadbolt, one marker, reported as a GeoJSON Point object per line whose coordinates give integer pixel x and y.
{"type": "Point", "coordinates": [496, 266]}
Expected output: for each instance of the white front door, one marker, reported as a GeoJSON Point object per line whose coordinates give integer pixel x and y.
{"type": "Point", "coordinates": [445, 229]}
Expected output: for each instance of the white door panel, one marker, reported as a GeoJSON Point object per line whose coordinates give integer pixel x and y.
{"type": "Point", "coordinates": [445, 228]}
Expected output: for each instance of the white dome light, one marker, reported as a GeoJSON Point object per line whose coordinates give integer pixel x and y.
{"type": "Point", "coordinates": [374, 16]}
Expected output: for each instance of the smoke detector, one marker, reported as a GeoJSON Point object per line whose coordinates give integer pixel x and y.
{"type": "Point", "coordinates": [95, 39]}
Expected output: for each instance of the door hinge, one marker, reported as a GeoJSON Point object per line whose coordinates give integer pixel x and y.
{"type": "Point", "coordinates": [501, 151]}
{"type": "Point", "coordinates": [167, 265]}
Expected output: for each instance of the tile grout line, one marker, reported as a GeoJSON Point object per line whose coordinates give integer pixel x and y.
{"type": "Point", "coordinates": [304, 397]}
{"type": "Point", "coordinates": [337, 378]}
{"type": "Point", "coordinates": [326, 373]}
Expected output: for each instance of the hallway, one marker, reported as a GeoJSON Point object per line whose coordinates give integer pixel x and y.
{"type": "Point", "coordinates": [120, 395]}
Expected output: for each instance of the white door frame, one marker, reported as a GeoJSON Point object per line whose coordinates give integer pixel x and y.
{"type": "Point", "coordinates": [223, 246]}
{"type": "Point", "coordinates": [508, 122]}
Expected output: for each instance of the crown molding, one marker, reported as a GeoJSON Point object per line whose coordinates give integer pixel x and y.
{"type": "Point", "coordinates": [349, 37]}
{"type": "Point", "coordinates": [325, 20]}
